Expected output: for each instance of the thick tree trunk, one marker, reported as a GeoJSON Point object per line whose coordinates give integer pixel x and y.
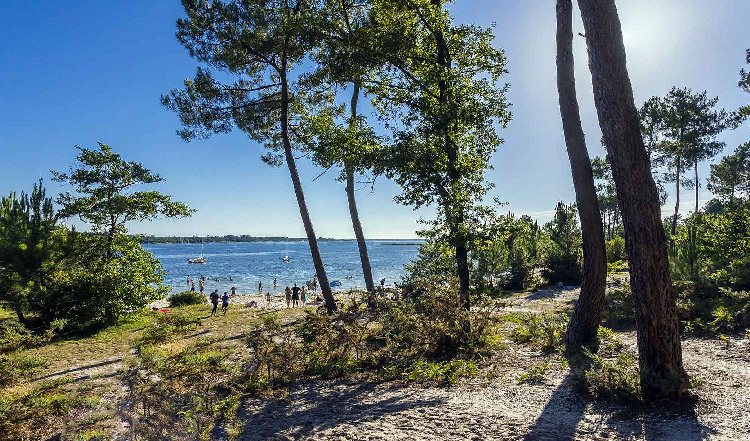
{"type": "Point", "coordinates": [353, 212]}
{"type": "Point", "coordinates": [659, 349]}
{"type": "Point", "coordinates": [587, 315]}
{"type": "Point", "coordinates": [320, 270]}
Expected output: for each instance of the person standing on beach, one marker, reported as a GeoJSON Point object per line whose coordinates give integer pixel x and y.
{"type": "Point", "coordinates": [268, 299]}
{"type": "Point", "coordinates": [201, 285]}
{"type": "Point", "coordinates": [295, 295]}
{"type": "Point", "coordinates": [303, 295]}
{"type": "Point", "coordinates": [260, 287]}
{"type": "Point", "coordinates": [188, 280]}
{"type": "Point", "coordinates": [192, 286]}
{"type": "Point", "coordinates": [382, 283]}
{"type": "Point", "coordinates": [288, 294]}
{"type": "Point", "coordinates": [214, 300]}
{"type": "Point", "coordinates": [234, 290]}
{"type": "Point", "coordinates": [224, 303]}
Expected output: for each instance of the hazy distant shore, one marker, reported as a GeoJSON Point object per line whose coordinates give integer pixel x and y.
{"type": "Point", "coordinates": [248, 238]}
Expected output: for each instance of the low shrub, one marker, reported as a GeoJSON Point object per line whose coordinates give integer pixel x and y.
{"type": "Point", "coordinates": [619, 311]}
{"type": "Point", "coordinates": [425, 371]}
{"type": "Point", "coordinates": [542, 330]}
{"type": "Point", "coordinates": [166, 326]}
{"type": "Point", "coordinates": [613, 379]}
{"type": "Point", "coordinates": [186, 298]}
{"type": "Point", "coordinates": [617, 266]}
{"type": "Point", "coordinates": [535, 374]}
{"type": "Point", "coordinates": [18, 365]}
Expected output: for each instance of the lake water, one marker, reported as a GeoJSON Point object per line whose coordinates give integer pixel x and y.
{"type": "Point", "coordinates": [247, 263]}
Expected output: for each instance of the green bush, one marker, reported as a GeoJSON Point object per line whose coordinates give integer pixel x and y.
{"type": "Point", "coordinates": [617, 266]}
{"type": "Point", "coordinates": [186, 298]}
{"type": "Point", "coordinates": [619, 311]}
{"type": "Point", "coordinates": [424, 371]}
{"type": "Point", "coordinates": [542, 330]}
{"type": "Point", "coordinates": [615, 249]}
{"type": "Point", "coordinates": [613, 379]}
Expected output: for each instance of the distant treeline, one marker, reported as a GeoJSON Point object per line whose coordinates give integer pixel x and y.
{"type": "Point", "coordinates": [227, 238]}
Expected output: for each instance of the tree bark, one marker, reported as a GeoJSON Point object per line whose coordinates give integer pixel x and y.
{"type": "Point", "coordinates": [696, 185]}
{"type": "Point", "coordinates": [454, 210]}
{"type": "Point", "coordinates": [320, 270]}
{"type": "Point", "coordinates": [587, 315]}
{"type": "Point", "coordinates": [659, 349]}
{"type": "Point", "coordinates": [353, 212]}
{"type": "Point", "coordinates": [677, 197]}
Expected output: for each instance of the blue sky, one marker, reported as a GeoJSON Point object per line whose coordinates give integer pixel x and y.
{"type": "Point", "coordinates": [87, 71]}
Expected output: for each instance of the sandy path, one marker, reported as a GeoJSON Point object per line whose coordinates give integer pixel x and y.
{"type": "Point", "coordinates": [505, 410]}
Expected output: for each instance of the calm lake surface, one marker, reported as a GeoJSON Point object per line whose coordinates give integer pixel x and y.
{"type": "Point", "coordinates": [250, 262]}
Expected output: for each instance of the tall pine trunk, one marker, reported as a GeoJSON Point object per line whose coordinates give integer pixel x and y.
{"type": "Point", "coordinates": [697, 185]}
{"type": "Point", "coordinates": [353, 212]}
{"type": "Point", "coordinates": [659, 349]}
{"type": "Point", "coordinates": [587, 315]}
{"type": "Point", "coordinates": [320, 270]}
{"type": "Point", "coordinates": [677, 196]}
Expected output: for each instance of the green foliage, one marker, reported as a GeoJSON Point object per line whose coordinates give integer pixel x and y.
{"type": "Point", "coordinates": [32, 414]}
{"type": "Point", "coordinates": [730, 178]}
{"type": "Point", "coordinates": [18, 365]}
{"type": "Point", "coordinates": [104, 199]}
{"type": "Point", "coordinates": [611, 379]}
{"type": "Point", "coordinates": [104, 281]}
{"type": "Point", "coordinates": [615, 249]}
{"type": "Point", "coordinates": [535, 374]}
{"type": "Point", "coordinates": [704, 310]}
{"type": "Point", "coordinates": [680, 131]}
{"type": "Point", "coordinates": [619, 310]}
{"type": "Point", "coordinates": [186, 298]}
{"type": "Point", "coordinates": [616, 267]}
{"type": "Point", "coordinates": [166, 326]}
{"type": "Point", "coordinates": [436, 372]}
{"type": "Point", "coordinates": [31, 251]}
{"type": "Point", "coordinates": [544, 331]}
{"type": "Point", "coordinates": [563, 263]}
{"type": "Point", "coordinates": [176, 393]}
{"type": "Point", "coordinates": [14, 335]}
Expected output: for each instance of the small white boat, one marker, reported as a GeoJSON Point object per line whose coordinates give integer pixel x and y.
{"type": "Point", "coordinates": [201, 259]}
{"type": "Point", "coordinates": [286, 259]}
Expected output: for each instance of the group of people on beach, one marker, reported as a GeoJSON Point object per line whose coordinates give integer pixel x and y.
{"type": "Point", "coordinates": [295, 296]}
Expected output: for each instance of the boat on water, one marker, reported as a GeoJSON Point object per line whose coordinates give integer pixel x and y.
{"type": "Point", "coordinates": [336, 283]}
{"type": "Point", "coordinates": [201, 260]}
{"type": "Point", "coordinates": [286, 259]}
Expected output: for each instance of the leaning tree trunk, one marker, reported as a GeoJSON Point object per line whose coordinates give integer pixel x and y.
{"type": "Point", "coordinates": [659, 349]}
{"type": "Point", "coordinates": [584, 323]}
{"type": "Point", "coordinates": [353, 212]}
{"type": "Point", "coordinates": [320, 270]}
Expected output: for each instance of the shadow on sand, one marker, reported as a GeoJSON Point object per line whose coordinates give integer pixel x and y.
{"type": "Point", "coordinates": [320, 406]}
{"type": "Point", "coordinates": [562, 416]}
